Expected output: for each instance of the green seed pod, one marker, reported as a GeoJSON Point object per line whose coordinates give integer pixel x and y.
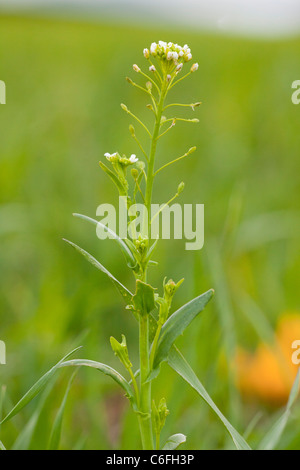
{"type": "Point", "coordinates": [180, 187]}
{"type": "Point", "coordinates": [134, 173]}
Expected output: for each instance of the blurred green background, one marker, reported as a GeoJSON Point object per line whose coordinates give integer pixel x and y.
{"type": "Point", "coordinates": [65, 82]}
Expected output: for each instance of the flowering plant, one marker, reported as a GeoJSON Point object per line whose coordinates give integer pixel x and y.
{"type": "Point", "coordinates": [159, 327]}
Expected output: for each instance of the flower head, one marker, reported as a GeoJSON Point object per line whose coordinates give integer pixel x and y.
{"type": "Point", "coordinates": [170, 52]}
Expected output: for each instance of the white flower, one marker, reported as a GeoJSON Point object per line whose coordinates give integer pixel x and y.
{"type": "Point", "coordinates": [133, 158]}
{"type": "Point", "coordinates": [110, 156]}
{"type": "Point", "coordinates": [153, 48]}
{"type": "Point", "coordinates": [188, 57]}
{"type": "Point", "coordinates": [152, 68]}
{"type": "Point", "coordinates": [179, 67]}
{"type": "Point", "coordinates": [194, 67]}
{"type": "Point", "coordinates": [146, 53]}
{"type": "Point", "coordinates": [169, 77]}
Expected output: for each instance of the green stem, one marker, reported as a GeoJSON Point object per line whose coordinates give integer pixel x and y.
{"type": "Point", "coordinates": [150, 173]}
{"type": "Point", "coordinates": [145, 387]}
{"type": "Point", "coordinates": [145, 366]}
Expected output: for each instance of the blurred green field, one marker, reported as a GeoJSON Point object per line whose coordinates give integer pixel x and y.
{"type": "Point", "coordinates": [65, 81]}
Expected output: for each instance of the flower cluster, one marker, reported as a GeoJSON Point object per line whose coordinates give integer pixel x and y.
{"type": "Point", "coordinates": [169, 51]}
{"type": "Point", "coordinates": [116, 158]}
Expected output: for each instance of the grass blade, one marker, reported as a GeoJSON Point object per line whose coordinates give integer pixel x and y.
{"type": "Point", "coordinates": [57, 425]}
{"type": "Point", "coordinates": [36, 388]}
{"type": "Point", "coordinates": [2, 446]}
{"type": "Point", "coordinates": [180, 365]}
{"type": "Point", "coordinates": [177, 323]}
{"type": "Point", "coordinates": [271, 439]}
{"type": "Point", "coordinates": [24, 438]}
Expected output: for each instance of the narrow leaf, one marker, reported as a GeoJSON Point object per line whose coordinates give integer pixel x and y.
{"type": "Point", "coordinates": [271, 439]}
{"type": "Point", "coordinates": [114, 178]}
{"type": "Point", "coordinates": [2, 446]}
{"type": "Point", "coordinates": [105, 369]}
{"type": "Point", "coordinates": [177, 323]}
{"type": "Point", "coordinates": [126, 294]}
{"type": "Point", "coordinates": [24, 438]}
{"type": "Point", "coordinates": [36, 388]}
{"type": "Point", "coordinates": [180, 365]}
{"type": "Point", "coordinates": [131, 261]}
{"type": "Point", "coordinates": [173, 442]}
{"type": "Point", "coordinates": [57, 425]}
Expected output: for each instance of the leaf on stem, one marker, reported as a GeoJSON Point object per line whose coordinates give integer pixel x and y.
{"type": "Point", "coordinates": [125, 250]}
{"type": "Point", "coordinates": [143, 299]}
{"type": "Point", "coordinates": [177, 323]}
{"type": "Point", "coordinates": [114, 178]}
{"type": "Point", "coordinates": [126, 294]}
{"type": "Point", "coordinates": [105, 369]}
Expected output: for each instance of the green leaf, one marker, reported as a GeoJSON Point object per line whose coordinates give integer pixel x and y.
{"type": "Point", "coordinates": [114, 178]}
{"type": "Point", "coordinates": [57, 425]}
{"type": "Point", "coordinates": [126, 294]}
{"type": "Point", "coordinates": [143, 299]}
{"type": "Point", "coordinates": [177, 323]}
{"type": "Point", "coordinates": [173, 442]}
{"type": "Point", "coordinates": [180, 365]}
{"type": "Point", "coordinates": [36, 389]}
{"type": "Point", "coordinates": [131, 261]}
{"type": "Point", "coordinates": [105, 369]}
{"type": "Point", "coordinates": [2, 446]}
{"type": "Point", "coordinates": [272, 437]}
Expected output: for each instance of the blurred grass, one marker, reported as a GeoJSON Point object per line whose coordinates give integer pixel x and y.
{"type": "Point", "coordinates": [65, 82]}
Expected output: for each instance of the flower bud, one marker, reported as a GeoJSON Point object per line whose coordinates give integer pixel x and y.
{"type": "Point", "coordinates": [146, 53]}
{"type": "Point", "coordinates": [194, 67]}
{"type": "Point", "coordinates": [121, 351]}
{"type": "Point", "coordinates": [152, 68]}
{"type": "Point", "coordinates": [124, 107]}
{"type": "Point", "coordinates": [131, 130]}
{"type": "Point", "coordinates": [136, 68]}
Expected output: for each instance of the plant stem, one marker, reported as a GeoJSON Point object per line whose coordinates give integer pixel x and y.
{"type": "Point", "coordinates": [145, 366]}
{"type": "Point", "coordinates": [145, 387]}
{"type": "Point", "coordinates": [150, 173]}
